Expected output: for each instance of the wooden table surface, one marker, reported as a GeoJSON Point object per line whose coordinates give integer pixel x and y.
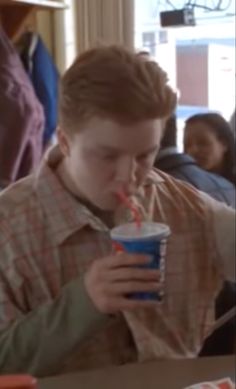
{"type": "Point", "coordinates": [174, 374]}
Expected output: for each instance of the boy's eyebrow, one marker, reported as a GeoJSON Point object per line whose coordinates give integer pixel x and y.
{"type": "Point", "coordinates": [110, 149]}
{"type": "Point", "coordinates": [150, 150]}
{"type": "Point", "coordinates": [121, 151]}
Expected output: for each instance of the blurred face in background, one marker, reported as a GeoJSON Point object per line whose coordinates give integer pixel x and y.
{"type": "Point", "coordinates": [105, 157]}
{"type": "Point", "coordinates": [202, 144]}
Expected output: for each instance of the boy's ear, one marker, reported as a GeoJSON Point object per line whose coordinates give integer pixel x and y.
{"type": "Point", "coordinates": [63, 142]}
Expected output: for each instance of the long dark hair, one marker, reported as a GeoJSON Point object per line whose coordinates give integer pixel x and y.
{"type": "Point", "coordinates": [221, 128]}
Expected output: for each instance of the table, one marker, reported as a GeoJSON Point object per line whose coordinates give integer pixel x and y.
{"type": "Point", "coordinates": [172, 374]}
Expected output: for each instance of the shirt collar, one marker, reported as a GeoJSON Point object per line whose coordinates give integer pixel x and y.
{"type": "Point", "coordinates": [65, 213]}
{"type": "Point", "coordinates": [167, 151]}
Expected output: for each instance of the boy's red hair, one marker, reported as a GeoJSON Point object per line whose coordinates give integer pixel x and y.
{"type": "Point", "coordinates": [114, 83]}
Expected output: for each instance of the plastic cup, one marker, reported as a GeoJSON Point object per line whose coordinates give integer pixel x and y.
{"type": "Point", "coordinates": [149, 239]}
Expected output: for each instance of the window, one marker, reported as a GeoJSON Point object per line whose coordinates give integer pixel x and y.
{"type": "Point", "coordinates": [70, 45]}
{"type": "Point", "coordinates": [149, 42]}
{"type": "Point", "coordinates": [200, 60]}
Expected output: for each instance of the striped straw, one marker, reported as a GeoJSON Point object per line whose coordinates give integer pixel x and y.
{"type": "Point", "coordinates": [125, 200]}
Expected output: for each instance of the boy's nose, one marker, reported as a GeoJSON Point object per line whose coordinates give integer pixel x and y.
{"type": "Point", "coordinates": [127, 175]}
{"type": "Point", "coordinates": [130, 188]}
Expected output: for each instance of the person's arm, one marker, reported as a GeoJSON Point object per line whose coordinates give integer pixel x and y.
{"type": "Point", "coordinates": [225, 239]}
{"type": "Point", "coordinates": [39, 342]}
{"type": "Point", "coordinates": [40, 339]}
{"type": "Point", "coordinates": [223, 219]}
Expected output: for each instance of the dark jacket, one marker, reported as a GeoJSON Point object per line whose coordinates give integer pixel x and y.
{"type": "Point", "coordinates": [183, 167]}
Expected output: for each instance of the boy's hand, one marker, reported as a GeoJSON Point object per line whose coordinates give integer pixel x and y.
{"type": "Point", "coordinates": [109, 280]}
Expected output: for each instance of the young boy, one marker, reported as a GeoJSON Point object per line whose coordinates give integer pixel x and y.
{"type": "Point", "coordinates": [63, 292]}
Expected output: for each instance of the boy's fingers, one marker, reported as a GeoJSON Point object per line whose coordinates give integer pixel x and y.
{"type": "Point", "coordinates": [133, 287]}
{"type": "Point", "coordinates": [133, 273]}
{"type": "Point", "coordinates": [124, 259]}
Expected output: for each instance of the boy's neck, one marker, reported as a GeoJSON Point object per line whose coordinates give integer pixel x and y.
{"type": "Point", "coordinates": [107, 217]}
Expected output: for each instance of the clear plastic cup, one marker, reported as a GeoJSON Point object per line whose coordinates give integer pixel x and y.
{"type": "Point", "coordinates": [149, 239]}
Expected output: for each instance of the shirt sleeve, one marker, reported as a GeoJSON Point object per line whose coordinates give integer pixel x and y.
{"type": "Point", "coordinates": [39, 342]}
{"type": "Point", "coordinates": [223, 220]}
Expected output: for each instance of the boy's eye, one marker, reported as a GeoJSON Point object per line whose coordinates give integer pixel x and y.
{"type": "Point", "coordinates": [109, 157]}
{"type": "Point", "coordinates": [145, 157]}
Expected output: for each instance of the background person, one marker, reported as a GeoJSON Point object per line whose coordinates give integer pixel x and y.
{"type": "Point", "coordinates": [232, 123]}
{"type": "Point", "coordinates": [209, 140]}
{"type": "Point", "coordinates": [184, 167]}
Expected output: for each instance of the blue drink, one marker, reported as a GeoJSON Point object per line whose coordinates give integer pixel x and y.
{"type": "Point", "coordinates": [150, 239]}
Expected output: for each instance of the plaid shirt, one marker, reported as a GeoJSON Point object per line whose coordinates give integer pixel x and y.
{"type": "Point", "coordinates": [47, 241]}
